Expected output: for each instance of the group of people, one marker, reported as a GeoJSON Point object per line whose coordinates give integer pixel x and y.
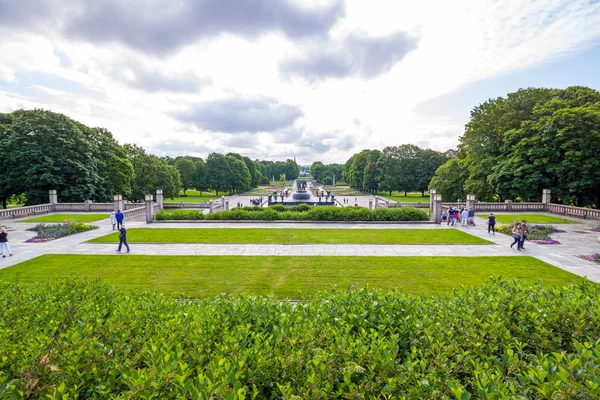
{"type": "Point", "coordinates": [256, 202]}
{"type": "Point", "coordinates": [519, 234]}
{"type": "Point", "coordinates": [466, 217]}
{"type": "Point", "coordinates": [116, 219]}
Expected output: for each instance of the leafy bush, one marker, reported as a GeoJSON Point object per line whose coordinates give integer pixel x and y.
{"type": "Point", "coordinates": [301, 212]}
{"type": "Point", "coordinates": [47, 232]}
{"type": "Point", "coordinates": [499, 341]}
{"type": "Point", "coordinates": [537, 233]}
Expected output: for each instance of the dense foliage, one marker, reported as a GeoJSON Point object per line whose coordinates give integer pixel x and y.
{"type": "Point", "coordinates": [47, 232]}
{"type": "Point", "coordinates": [500, 341]}
{"type": "Point", "coordinates": [300, 213]}
{"type": "Point", "coordinates": [533, 139]}
{"type": "Point", "coordinates": [324, 173]}
{"type": "Point", "coordinates": [396, 168]}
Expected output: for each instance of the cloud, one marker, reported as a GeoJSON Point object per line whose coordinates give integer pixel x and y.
{"type": "Point", "coordinates": [177, 147]}
{"type": "Point", "coordinates": [356, 56]}
{"type": "Point", "coordinates": [161, 27]}
{"type": "Point", "coordinates": [238, 114]}
{"type": "Point", "coordinates": [154, 80]}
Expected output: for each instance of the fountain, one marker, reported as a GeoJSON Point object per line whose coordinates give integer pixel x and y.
{"type": "Point", "coordinates": [302, 194]}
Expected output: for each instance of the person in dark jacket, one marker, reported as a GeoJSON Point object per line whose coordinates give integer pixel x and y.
{"type": "Point", "coordinates": [492, 223]}
{"type": "Point", "coordinates": [120, 217]}
{"type": "Point", "coordinates": [123, 239]}
{"type": "Point", "coordinates": [4, 243]}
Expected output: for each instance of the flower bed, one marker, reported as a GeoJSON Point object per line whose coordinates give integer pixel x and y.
{"type": "Point", "coordinates": [539, 234]}
{"type": "Point", "coordinates": [594, 228]}
{"type": "Point", "coordinates": [591, 257]}
{"type": "Point", "coordinates": [49, 232]}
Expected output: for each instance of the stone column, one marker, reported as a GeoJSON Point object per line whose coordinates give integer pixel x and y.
{"type": "Point", "coordinates": [508, 205]}
{"type": "Point", "coordinates": [149, 209]}
{"type": "Point", "coordinates": [370, 203]}
{"type": "Point", "coordinates": [86, 205]}
{"type": "Point", "coordinates": [226, 204]}
{"type": "Point", "coordinates": [160, 200]}
{"type": "Point", "coordinates": [223, 202]}
{"type": "Point", "coordinates": [53, 199]}
{"type": "Point", "coordinates": [470, 201]}
{"type": "Point", "coordinates": [118, 203]}
{"type": "Point", "coordinates": [436, 213]}
{"type": "Point", "coordinates": [210, 207]}
{"type": "Point", "coordinates": [546, 196]}
{"type": "Point", "coordinates": [432, 193]}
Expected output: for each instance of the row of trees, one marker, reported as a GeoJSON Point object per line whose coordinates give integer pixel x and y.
{"type": "Point", "coordinates": [535, 138]}
{"type": "Point", "coordinates": [324, 173]}
{"type": "Point", "coordinates": [41, 150]}
{"type": "Point", "coordinates": [403, 168]}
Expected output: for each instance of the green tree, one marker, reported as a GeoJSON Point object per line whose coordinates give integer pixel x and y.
{"type": "Point", "coordinates": [240, 178]}
{"type": "Point", "coordinates": [199, 177]}
{"type": "Point", "coordinates": [218, 173]}
{"type": "Point", "coordinates": [185, 166]}
{"type": "Point", "coordinates": [425, 164]}
{"type": "Point", "coordinates": [449, 180]}
{"type": "Point", "coordinates": [151, 173]}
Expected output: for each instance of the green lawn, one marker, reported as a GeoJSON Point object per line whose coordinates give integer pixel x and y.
{"type": "Point", "coordinates": [83, 217]}
{"type": "Point", "coordinates": [531, 218]}
{"type": "Point", "coordinates": [193, 196]}
{"type": "Point", "coordinates": [284, 276]}
{"type": "Point", "coordinates": [411, 198]}
{"type": "Point", "coordinates": [295, 236]}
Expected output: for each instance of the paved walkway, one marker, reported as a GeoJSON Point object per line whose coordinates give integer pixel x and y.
{"type": "Point", "coordinates": [575, 241]}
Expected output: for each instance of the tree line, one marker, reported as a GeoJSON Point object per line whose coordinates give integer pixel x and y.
{"type": "Point", "coordinates": [41, 150]}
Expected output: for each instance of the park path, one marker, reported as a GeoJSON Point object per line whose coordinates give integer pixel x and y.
{"type": "Point", "coordinates": [575, 241]}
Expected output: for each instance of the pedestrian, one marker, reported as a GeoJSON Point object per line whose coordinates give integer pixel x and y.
{"type": "Point", "coordinates": [454, 216]}
{"type": "Point", "coordinates": [516, 234]}
{"type": "Point", "coordinates": [492, 223]}
{"type": "Point", "coordinates": [444, 216]}
{"type": "Point", "coordinates": [471, 218]}
{"type": "Point", "coordinates": [464, 217]}
{"type": "Point", "coordinates": [460, 213]}
{"type": "Point", "coordinates": [4, 243]}
{"type": "Point", "coordinates": [450, 215]}
{"type": "Point", "coordinates": [120, 217]}
{"type": "Point", "coordinates": [123, 239]}
{"type": "Point", "coordinates": [524, 233]}
{"type": "Point", "coordinates": [113, 220]}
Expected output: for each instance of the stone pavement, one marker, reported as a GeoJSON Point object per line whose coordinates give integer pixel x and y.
{"type": "Point", "coordinates": [575, 241]}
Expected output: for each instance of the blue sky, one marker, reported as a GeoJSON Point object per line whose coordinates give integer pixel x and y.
{"type": "Point", "coordinates": [316, 79]}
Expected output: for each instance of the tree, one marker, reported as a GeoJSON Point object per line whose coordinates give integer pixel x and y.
{"type": "Point", "coordinates": [218, 173]}
{"type": "Point", "coordinates": [239, 178]}
{"type": "Point", "coordinates": [199, 178]}
{"type": "Point", "coordinates": [371, 175]}
{"type": "Point", "coordinates": [316, 169]}
{"type": "Point", "coordinates": [151, 173]}
{"type": "Point", "coordinates": [449, 180]}
{"type": "Point", "coordinates": [425, 164]}
{"type": "Point", "coordinates": [185, 166]}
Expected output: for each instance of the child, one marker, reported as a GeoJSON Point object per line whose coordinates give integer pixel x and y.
{"type": "Point", "coordinates": [444, 216]}
{"type": "Point", "coordinates": [113, 220]}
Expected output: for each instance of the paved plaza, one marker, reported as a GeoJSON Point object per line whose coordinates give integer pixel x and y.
{"type": "Point", "coordinates": [574, 241]}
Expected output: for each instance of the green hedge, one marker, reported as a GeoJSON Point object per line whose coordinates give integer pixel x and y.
{"type": "Point", "coordinates": [300, 213]}
{"type": "Point", "coordinates": [499, 341]}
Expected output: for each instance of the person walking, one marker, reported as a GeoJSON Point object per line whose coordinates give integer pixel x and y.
{"type": "Point", "coordinates": [113, 220]}
{"type": "Point", "coordinates": [516, 234]}
{"type": "Point", "coordinates": [4, 243]}
{"type": "Point", "coordinates": [524, 233]}
{"type": "Point", "coordinates": [123, 239]}
{"type": "Point", "coordinates": [464, 217]}
{"type": "Point", "coordinates": [492, 223]}
{"type": "Point", "coordinates": [471, 218]}
{"type": "Point", "coordinates": [120, 217]}
{"type": "Point", "coordinates": [450, 216]}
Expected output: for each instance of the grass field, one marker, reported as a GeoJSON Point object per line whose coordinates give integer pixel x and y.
{"type": "Point", "coordinates": [295, 236]}
{"type": "Point", "coordinates": [532, 219]}
{"type": "Point", "coordinates": [63, 217]}
{"type": "Point", "coordinates": [193, 196]}
{"type": "Point", "coordinates": [411, 198]}
{"type": "Point", "coordinates": [283, 276]}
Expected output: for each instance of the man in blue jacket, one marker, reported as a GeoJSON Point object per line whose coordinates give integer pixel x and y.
{"type": "Point", "coordinates": [120, 217]}
{"type": "Point", "coordinates": [123, 239]}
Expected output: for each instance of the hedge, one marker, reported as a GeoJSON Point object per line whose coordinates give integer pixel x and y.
{"type": "Point", "coordinates": [503, 340]}
{"type": "Point", "coordinates": [300, 213]}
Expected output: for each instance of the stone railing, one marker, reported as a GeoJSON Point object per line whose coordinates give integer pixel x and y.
{"type": "Point", "coordinates": [156, 208]}
{"type": "Point", "coordinates": [528, 207]}
{"type": "Point", "coordinates": [382, 202]}
{"type": "Point", "coordinates": [190, 205]}
{"type": "Point", "coordinates": [24, 211]}
{"type": "Point", "coordinates": [134, 212]}
{"type": "Point", "coordinates": [69, 207]}
{"type": "Point", "coordinates": [131, 206]}
{"type": "Point", "coordinates": [102, 207]}
{"type": "Point", "coordinates": [587, 213]}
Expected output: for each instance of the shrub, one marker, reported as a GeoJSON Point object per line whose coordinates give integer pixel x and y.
{"type": "Point", "coordinates": [47, 232]}
{"type": "Point", "coordinates": [537, 233]}
{"type": "Point", "coordinates": [301, 212]}
{"type": "Point", "coordinates": [84, 339]}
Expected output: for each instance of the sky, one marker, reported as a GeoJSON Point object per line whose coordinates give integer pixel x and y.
{"type": "Point", "coordinates": [274, 79]}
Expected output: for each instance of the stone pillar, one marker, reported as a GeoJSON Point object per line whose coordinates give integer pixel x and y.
{"type": "Point", "coordinates": [160, 200]}
{"type": "Point", "coordinates": [210, 207]}
{"type": "Point", "coordinates": [149, 209]}
{"type": "Point", "coordinates": [223, 202]}
{"type": "Point", "coordinates": [370, 203]}
{"type": "Point", "coordinates": [546, 195]}
{"type": "Point", "coordinates": [118, 203]}
{"type": "Point", "coordinates": [470, 201]}
{"type": "Point", "coordinates": [53, 199]}
{"type": "Point", "coordinates": [226, 204]}
{"type": "Point", "coordinates": [508, 205]}
{"type": "Point", "coordinates": [432, 193]}
{"type": "Point", "coordinates": [387, 204]}
{"type": "Point", "coordinates": [436, 213]}
{"type": "Point", "coordinates": [86, 205]}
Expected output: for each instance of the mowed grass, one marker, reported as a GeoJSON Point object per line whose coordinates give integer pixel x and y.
{"type": "Point", "coordinates": [193, 196]}
{"type": "Point", "coordinates": [63, 217]}
{"type": "Point", "coordinates": [284, 276]}
{"type": "Point", "coordinates": [530, 218]}
{"type": "Point", "coordinates": [400, 198]}
{"type": "Point", "coordinates": [295, 236]}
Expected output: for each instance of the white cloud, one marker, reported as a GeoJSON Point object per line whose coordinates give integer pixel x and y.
{"type": "Point", "coordinates": [137, 94]}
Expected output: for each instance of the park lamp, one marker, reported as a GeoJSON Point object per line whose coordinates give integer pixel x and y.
{"type": "Point", "coordinates": [470, 197]}
{"type": "Point", "coordinates": [148, 197]}
{"type": "Point", "coordinates": [437, 197]}
{"type": "Point", "coordinates": [118, 197]}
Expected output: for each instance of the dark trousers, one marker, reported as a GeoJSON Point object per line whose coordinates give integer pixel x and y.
{"type": "Point", "coordinates": [123, 242]}
{"type": "Point", "coordinates": [522, 242]}
{"type": "Point", "coordinates": [492, 227]}
{"type": "Point", "coordinates": [119, 223]}
{"type": "Point", "coordinates": [517, 242]}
